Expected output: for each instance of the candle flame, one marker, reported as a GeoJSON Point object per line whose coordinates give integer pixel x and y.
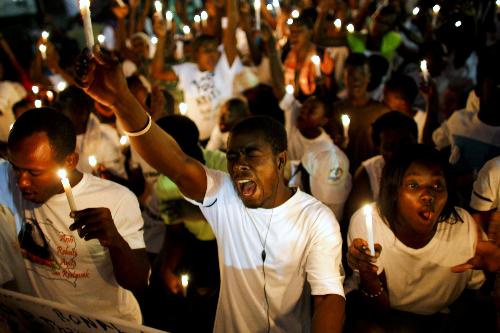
{"type": "Point", "coordinates": [269, 7]}
{"type": "Point", "coordinates": [345, 120]}
{"type": "Point", "coordinates": [42, 48]}
{"type": "Point", "coordinates": [186, 29]}
{"type": "Point", "coordinates": [169, 16]}
{"type": "Point", "coordinates": [367, 209]}
{"type": "Point", "coordinates": [84, 4]}
{"type": "Point", "coordinates": [45, 35]}
{"type": "Point", "coordinates": [204, 15]}
{"type": "Point", "coordinates": [35, 89]}
{"type": "Point", "coordinates": [123, 140]}
{"type": "Point", "coordinates": [184, 280]}
{"type": "Point", "coordinates": [337, 23]}
{"type": "Point", "coordinates": [423, 65]}
{"type": "Point", "coordinates": [350, 27]}
{"type": "Point", "coordinates": [436, 9]}
{"type": "Point", "coordinates": [415, 11]}
{"type": "Point", "coordinates": [197, 18]}
{"type": "Point", "coordinates": [183, 108]}
{"type": "Point", "coordinates": [158, 6]}
{"type": "Point", "coordinates": [316, 59]}
{"type": "Point", "coordinates": [289, 89]}
{"type": "Point", "coordinates": [257, 4]}
{"type": "Point", "coordinates": [92, 161]}
{"type": "Point", "coordinates": [295, 13]}
{"type": "Point", "coordinates": [289, 21]}
{"type": "Point", "coordinates": [62, 173]}
{"type": "Point", "coordinates": [101, 38]}
{"type": "Point", "coordinates": [38, 103]}
{"type": "Point", "coordinates": [276, 3]}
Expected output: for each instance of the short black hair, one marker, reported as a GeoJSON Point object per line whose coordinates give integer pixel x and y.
{"type": "Point", "coordinates": [74, 100]}
{"type": "Point", "coordinates": [272, 130]}
{"type": "Point", "coordinates": [356, 60]}
{"type": "Point", "coordinates": [58, 128]}
{"type": "Point", "coordinates": [392, 179]}
{"type": "Point", "coordinates": [393, 120]}
{"type": "Point", "coordinates": [203, 39]}
{"type": "Point", "coordinates": [184, 132]}
{"type": "Point", "coordinates": [404, 86]}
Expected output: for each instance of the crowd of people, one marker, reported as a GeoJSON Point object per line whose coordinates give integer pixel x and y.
{"type": "Point", "coordinates": [259, 166]}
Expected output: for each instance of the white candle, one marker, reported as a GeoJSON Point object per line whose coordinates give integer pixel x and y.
{"type": "Point", "coordinates": [183, 108]}
{"type": "Point", "coordinates": [87, 23]}
{"type": "Point", "coordinates": [277, 7]}
{"type": "Point", "coordinates": [169, 16]}
{"type": "Point", "coordinates": [223, 22]}
{"type": "Point", "coordinates": [204, 18]}
{"type": "Point", "coordinates": [38, 103]}
{"type": "Point", "coordinates": [197, 20]}
{"type": "Point", "coordinates": [317, 64]}
{"type": "Point", "coordinates": [346, 121]}
{"type": "Point", "coordinates": [338, 24]}
{"type": "Point", "coordinates": [350, 28]}
{"type": "Point", "coordinates": [256, 6]}
{"type": "Point", "coordinates": [289, 89]}
{"type": "Point", "coordinates": [50, 95]}
{"type": "Point", "coordinates": [425, 71]}
{"type": "Point", "coordinates": [159, 8]}
{"type": "Point", "coordinates": [367, 210]}
{"type": "Point", "coordinates": [45, 36]}
{"type": "Point", "coordinates": [179, 50]}
{"type": "Point", "coordinates": [35, 89]}
{"type": "Point", "coordinates": [43, 51]}
{"type": "Point", "coordinates": [435, 13]}
{"type": "Point", "coordinates": [184, 283]}
{"type": "Point", "coordinates": [67, 188]}
{"type": "Point", "coordinates": [120, 3]}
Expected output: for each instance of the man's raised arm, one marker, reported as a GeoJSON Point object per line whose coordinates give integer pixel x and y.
{"type": "Point", "coordinates": [102, 79]}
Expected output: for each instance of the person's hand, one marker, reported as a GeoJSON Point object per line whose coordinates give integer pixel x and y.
{"type": "Point", "coordinates": [267, 34]}
{"type": "Point", "coordinates": [133, 3]}
{"type": "Point", "coordinates": [172, 282]}
{"type": "Point", "coordinates": [100, 75]}
{"type": "Point", "coordinates": [159, 26]}
{"type": "Point", "coordinates": [359, 258]}
{"type": "Point", "coordinates": [158, 102]}
{"type": "Point", "coordinates": [245, 17]}
{"type": "Point", "coordinates": [120, 12]}
{"type": "Point", "coordinates": [487, 256]}
{"type": "Point", "coordinates": [96, 223]}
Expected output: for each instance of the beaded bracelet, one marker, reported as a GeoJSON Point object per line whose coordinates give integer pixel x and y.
{"type": "Point", "coordinates": [373, 295]}
{"type": "Point", "coordinates": [143, 131]}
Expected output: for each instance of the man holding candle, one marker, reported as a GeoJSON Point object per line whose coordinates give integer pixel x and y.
{"type": "Point", "coordinates": [87, 260]}
{"type": "Point", "coordinates": [271, 238]}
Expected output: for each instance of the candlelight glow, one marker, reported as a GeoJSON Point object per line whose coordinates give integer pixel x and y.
{"type": "Point", "coordinates": [415, 11]}
{"type": "Point", "coordinates": [289, 21]}
{"type": "Point", "coordinates": [350, 27]}
{"type": "Point", "coordinates": [123, 140]}
{"type": "Point", "coordinates": [458, 24]}
{"type": "Point", "coordinates": [269, 7]}
{"type": "Point", "coordinates": [346, 121]}
{"type": "Point", "coordinates": [197, 18]}
{"type": "Point", "coordinates": [204, 15]}
{"type": "Point", "coordinates": [42, 48]}
{"type": "Point", "coordinates": [62, 173]}
{"type": "Point", "coordinates": [61, 86]}
{"type": "Point", "coordinates": [154, 40]}
{"type": "Point", "coordinates": [92, 161]}
{"type": "Point", "coordinates": [186, 29]}
{"type": "Point", "coordinates": [295, 13]}
{"type": "Point", "coordinates": [84, 4]}
{"type": "Point", "coordinates": [183, 108]}
{"type": "Point", "coordinates": [38, 103]}
{"type": "Point", "coordinates": [337, 23]}
{"type": "Point", "coordinates": [289, 89]}
{"type": "Point", "coordinates": [158, 6]}
{"type": "Point", "coordinates": [169, 16]}
{"type": "Point", "coordinates": [184, 280]}
{"type": "Point", "coordinates": [101, 38]}
{"type": "Point", "coordinates": [35, 89]}
{"type": "Point", "coordinates": [316, 59]}
{"type": "Point", "coordinates": [436, 9]}
{"type": "Point", "coordinates": [45, 35]}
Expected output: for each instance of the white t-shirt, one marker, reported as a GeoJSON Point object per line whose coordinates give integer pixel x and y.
{"type": "Point", "coordinates": [420, 280]}
{"type": "Point", "coordinates": [303, 244]}
{"type": "Point", "coordinates": [61, 266]}
{"type": "Point", "coordinates": [297, 143]}
{"type": "Point", "coordinates": [374, 167]}
{"type": "Point", "coordinates": [102, 141]}
{"type": "Point", "coordinates": [11, 262]}
{"type": "Point", "coordinates": [204, 91]}
{"type": "Point", "coordinates": [486, 190]}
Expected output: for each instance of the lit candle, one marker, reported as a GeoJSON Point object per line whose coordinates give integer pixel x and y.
{"type": "Point", "coordinates": [204, 18]}
{"type": "Point", "coordinates": [256, 6]}
{"type": "Point", "coordinates": [92, 161]}
{"type": "Point", "coordinates": [425, 71]}
{"type": "Point", "coordinates": [123, 140]}
{"type": "Point", "coordinates": [435, 13]}
{"type": "Point", "coordinates": [289, 89]}
{"type": "Point", "coordinates": [269, 7]}
{"type": "Point", "coordinates": [43, 51]}
{"type": "Point", "coordinates": [346, 121]}
{"type": "Point", "coordinates": [277, 8]}
{"type": "Point", "coordinates": [498, 3]}
{"type": "Point", "coordinates": [223, 22]}
{"type": "Point", "coordinates": [87, 23]}
{"type": "Point", "coordinates": [159, 8]}
{"type": "Point", "coordinates": [101, 39]}
{"type": "Point", "coordinates": [35, 89]}
{"type": "Point", "coordinates": [179, 50]}
{"type": "Point", "coordinates": [295, 13]}
{"type": "Point", "coordinates": [169, 16]}
{"type": "Point", "coordinates": [154, 40]}
{"type": "Point", "coordinates": [197, 20]}
{"type": "Point", "coordinates": [184, 282]}
{"type": "Point", "coordinates": [350, 28]}
{"type": "Point", "coordinates": [367, 210]}
{"type": "Point", "coordinates": [415, 11]}
{"type": "Point", "coordinates": [61, 86]}
{"type": "Point", "coordinates": [45, 36]}
{"type": "Point", "coordinates": [67, 188]}
{"type": "Point", "coordinates": [289, 21]}
{"type": "Point", "coordinates": [183, 108]}
{"type": "Point", "coordinates": [317, 64]}
{"type": "Point", "coordinates": [338, 24]}
{"type": "Point", "coordinates": [50, 95]}
{"type": "Point", "coordinates": [38, 103]}
{"type": "Point", "coordinates": [187, 31]}
{"type": "Point", "coordinates": [458, 23]}
{"type": "Point", "coordinates": [120, 3]}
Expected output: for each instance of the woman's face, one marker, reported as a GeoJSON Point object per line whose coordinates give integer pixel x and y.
{"type": "Point", "coordinates": [421, 198]}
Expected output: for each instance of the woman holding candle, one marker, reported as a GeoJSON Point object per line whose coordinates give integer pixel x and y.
{"type": "Point", "coordinates": [419, 236]}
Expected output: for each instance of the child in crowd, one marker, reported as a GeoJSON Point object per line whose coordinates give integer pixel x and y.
{"type": "Point", "coordinates": [419, 236]}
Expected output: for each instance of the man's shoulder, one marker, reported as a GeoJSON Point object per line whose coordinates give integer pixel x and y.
{"type": "Point", "coordinates": [104, 188]}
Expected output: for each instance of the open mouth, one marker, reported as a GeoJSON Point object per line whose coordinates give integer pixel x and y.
{"type": "Point", "coordinates": [246, 187]}
{"type": "Point", "coordinates": [28, 195]}
{"type": "Point", "coordinates": [426, 215]}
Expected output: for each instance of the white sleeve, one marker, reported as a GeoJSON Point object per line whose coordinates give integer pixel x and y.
{"type": "Point", "coordinates": [487, 187]}
{"type": "Point", "coordinates": [128, 220]}
{"type": "Point", "coordinates": [441, 136]}
{"type": "Point", "coordinates": [215, 181]}
{"type": "Point", "coordinates": [291, 108]}
{"type": "Point", "coordinates": [325, 273]}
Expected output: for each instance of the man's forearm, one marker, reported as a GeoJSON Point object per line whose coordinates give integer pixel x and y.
{"type": "Point", "coordinates": [131, 267]}
{"type": "Point", "coordinates": [329, 314]}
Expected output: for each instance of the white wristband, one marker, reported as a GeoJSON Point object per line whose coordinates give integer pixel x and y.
{"type": "Point", "coordinates": [143, 131]}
